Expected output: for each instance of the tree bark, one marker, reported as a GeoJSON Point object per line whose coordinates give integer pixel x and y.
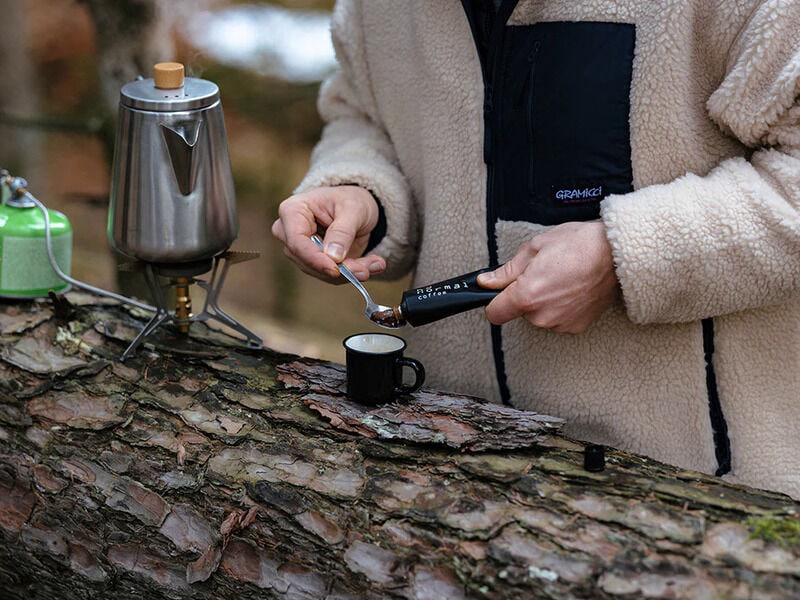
{"type": "Point", "coordinates": [202, 469]}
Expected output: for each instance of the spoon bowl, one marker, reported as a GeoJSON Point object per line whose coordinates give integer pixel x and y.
{"type": "Point", "coordinates": [383, 316]}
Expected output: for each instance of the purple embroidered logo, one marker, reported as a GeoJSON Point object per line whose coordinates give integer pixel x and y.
{"type": "Point", "coordinates": [579, 195]}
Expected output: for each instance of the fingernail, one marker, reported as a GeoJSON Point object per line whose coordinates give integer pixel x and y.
{"type": "Point", "coordinates": [376, 267]}
{"type": "Point", "coordinates": [335, 251]}
{"type": "Point", "coordinates": [360, 274]}
{"type": "Point", "coordinates": [485, 277]}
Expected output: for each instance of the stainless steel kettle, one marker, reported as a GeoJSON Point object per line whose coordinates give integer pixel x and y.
{"type": "Point", "coordinates": [172, 196]}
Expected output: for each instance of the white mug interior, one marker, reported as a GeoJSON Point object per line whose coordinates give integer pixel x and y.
{"type": "Point", "coordinates": [374, 343]}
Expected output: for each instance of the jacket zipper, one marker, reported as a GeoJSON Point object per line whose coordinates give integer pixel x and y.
{"type": "Point", "coordinates": [490, 65]}
{"type": "Point", "coordinates": [495, 46]}
{"type": "Point", "coordinates": [719, 427]}
{"type": "Point", "coordinates": [496, 330]}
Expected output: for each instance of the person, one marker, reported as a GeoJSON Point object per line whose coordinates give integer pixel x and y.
{"type": "Point", "coordinates": [631, 169]}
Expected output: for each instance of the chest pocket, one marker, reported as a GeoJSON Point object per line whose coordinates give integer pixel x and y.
{"type": "Point", "coordinates": [563, 120]}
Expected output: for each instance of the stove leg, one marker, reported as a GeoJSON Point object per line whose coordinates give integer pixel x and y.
{"type": "Point", "coordinates": [154, 322]}
{"type": "Point", "coordinates": [211, 309]}
{"type": "Point", "coordinates": [161, 315]}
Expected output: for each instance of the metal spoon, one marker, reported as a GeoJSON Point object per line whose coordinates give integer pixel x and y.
{"type": "Point", "coordinates": [384, 316]}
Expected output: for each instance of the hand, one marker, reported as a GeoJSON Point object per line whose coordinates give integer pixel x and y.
{"type": "Point", "coordinates": [347, 214]}
{"type": "Point", "coordinates": [561, 280]}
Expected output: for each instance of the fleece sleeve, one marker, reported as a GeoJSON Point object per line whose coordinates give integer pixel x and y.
{"type": "Point", "coordinates": [730, 240]}
{"type": "Point", "coordinates": [355, 148]}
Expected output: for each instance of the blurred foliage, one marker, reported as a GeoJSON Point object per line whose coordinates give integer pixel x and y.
{"type": "Point", "coordinates": [282, 107]}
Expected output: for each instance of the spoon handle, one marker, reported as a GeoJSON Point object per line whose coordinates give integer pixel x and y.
{"type": "Point", "coordinates": [348, 274]}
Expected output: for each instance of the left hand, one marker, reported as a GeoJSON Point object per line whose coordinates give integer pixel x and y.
{"type": "Point", "coordinates": [561, 280]}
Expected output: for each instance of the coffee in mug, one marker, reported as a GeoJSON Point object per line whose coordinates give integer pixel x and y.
{"type": "Point", "coordinates": [375, 365]}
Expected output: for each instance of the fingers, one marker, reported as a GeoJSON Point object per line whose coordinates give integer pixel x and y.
{"type": "Point", "coordinates": [508, 272]}
{"type": "Point", "coordinates": [325, 274]}
{"type": "Point", "coordinates": [506, 306]}
{"type": "Point", "coordinates": [340, 235]}
{"type": "Point", "coordinates": [512, 302]}
{"type": "Point", "coordinates": [366, 266]}
{"type": "Point", "coordinates": [346, 213]}
{"type": "Point", "coordinates": [299, 248]}
{"type": "Point", "coordinates": [561, 280]}
{"type": "Point", "coordinates": [355, 214]}
{"type": "Point", "coordinates": [501, 277]}
{"type": "Point", "coordinates": [528, 297]}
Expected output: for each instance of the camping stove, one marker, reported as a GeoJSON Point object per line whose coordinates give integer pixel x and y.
{"type": "Point", "coordinates": [161, 278]}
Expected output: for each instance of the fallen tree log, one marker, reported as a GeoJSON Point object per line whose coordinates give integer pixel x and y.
{"type": "Point", "coordinates": [202, 469]}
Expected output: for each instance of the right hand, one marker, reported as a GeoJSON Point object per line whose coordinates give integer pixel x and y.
{"type": "Point", "coordinates": [347, 214]}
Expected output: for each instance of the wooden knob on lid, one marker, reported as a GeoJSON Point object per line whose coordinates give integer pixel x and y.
{"type": "Point", "coordinates": [168, 75]}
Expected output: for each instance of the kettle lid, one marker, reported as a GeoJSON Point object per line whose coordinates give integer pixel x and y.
{"type": "Point", "coordinates": [169, 91]}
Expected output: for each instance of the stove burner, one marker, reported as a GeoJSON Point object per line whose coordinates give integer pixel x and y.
{"type": "Point", "coordinates": [189, 269]}
{"type": "Point", "coordinates": [181, 276]}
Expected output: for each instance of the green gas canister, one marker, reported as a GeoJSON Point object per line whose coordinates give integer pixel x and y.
{"type": "Point", "coordinates": [25, 269]}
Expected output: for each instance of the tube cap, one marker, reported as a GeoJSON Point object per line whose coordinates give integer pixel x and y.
{"type": "Point", "coordinates": [594, 458]}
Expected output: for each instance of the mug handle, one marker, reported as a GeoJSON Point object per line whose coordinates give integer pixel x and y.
{"type": "Point", "coordinates": [419, 374]}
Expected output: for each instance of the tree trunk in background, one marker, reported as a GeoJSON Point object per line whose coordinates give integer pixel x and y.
{"type": "Point", "coordinates": [19, 147]}
{"type": "Point", "coordinates": [200, 469]}
{"type": "Point", "coordinates": [133, 35]}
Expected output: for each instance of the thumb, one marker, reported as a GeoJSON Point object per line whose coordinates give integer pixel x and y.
{"type": "Point", "coordinates": [339, 237]}
{"type": "Point", "coordinates": [501, 277]}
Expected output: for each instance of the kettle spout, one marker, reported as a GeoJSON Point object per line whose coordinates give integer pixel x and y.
{"type": "Point", "coordinates": [181, 139]}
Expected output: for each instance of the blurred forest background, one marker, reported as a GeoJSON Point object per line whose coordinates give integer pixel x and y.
{"type": "Point", "coordinates": [63, 63]}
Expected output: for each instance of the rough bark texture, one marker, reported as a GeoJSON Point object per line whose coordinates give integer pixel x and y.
{"type": "Point", "coordinates": [199, 469]}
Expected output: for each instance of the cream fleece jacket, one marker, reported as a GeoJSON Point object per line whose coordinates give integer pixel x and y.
{"type": "Point", "coordinates": [712, 228]}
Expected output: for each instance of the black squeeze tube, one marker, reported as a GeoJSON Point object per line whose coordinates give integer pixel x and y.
{"type": "Point", "coordinates": [430, 303]}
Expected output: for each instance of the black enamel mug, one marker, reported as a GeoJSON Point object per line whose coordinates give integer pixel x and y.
{"type": "Point", "coordinates": [375, 365]}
